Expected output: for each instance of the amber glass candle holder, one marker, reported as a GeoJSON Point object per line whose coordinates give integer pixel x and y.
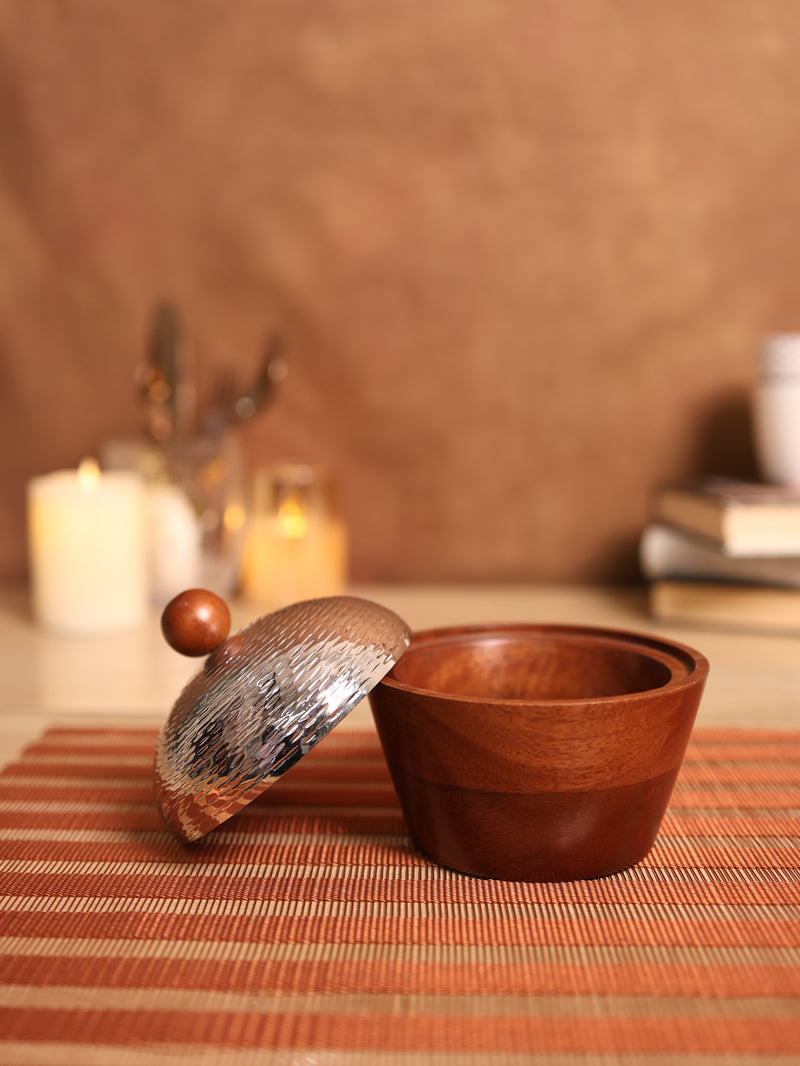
{"type": "Point", "coordinates": [296, 541]}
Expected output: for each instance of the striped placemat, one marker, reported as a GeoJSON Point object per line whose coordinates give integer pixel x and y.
{"type": "Point", "coordinates": [308, 931]}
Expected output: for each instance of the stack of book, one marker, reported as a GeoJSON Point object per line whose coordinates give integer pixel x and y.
{"type": "Point", "coordinates": [725, 553]}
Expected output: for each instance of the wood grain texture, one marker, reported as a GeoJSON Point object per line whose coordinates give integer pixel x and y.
{"type": "Point", "coordinates": [537, 752]}
{"type": "Point", "coordinates": [523, 253]}
{"type": "Point", "coordinates": [195, 622]}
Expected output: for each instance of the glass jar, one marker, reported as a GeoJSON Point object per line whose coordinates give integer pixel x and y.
{"type": "Point", "coordinates": [296, 541]}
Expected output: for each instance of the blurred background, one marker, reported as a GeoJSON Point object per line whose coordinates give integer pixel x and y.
{"type": "Point", "coordinates": [521, 252]}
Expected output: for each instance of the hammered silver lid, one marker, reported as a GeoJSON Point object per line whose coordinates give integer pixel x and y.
{"type": "Point", "coordinates": [263, 699]}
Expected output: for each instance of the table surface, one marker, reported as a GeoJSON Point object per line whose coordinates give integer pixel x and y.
{"type": "Point", "coordinates": [313, 932]}
{"type": "Point", "coordinates": [754, 680]}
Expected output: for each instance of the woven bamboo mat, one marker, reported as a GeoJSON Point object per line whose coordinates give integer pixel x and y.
{"type": "Point", "coordinates": [308, 931]}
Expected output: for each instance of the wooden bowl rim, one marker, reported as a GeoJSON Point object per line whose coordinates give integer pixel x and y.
{"type": "Point", "coordinates": [688, 667]}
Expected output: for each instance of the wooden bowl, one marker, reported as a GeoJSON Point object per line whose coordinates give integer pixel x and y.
{"type": "Point", "coordinates": [537, 752]}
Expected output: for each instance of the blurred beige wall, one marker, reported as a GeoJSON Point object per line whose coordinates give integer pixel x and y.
{"type": "Point", "coordinates": [523, 251]}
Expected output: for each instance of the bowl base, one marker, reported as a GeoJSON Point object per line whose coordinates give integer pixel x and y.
{"type": "Point", "coordinates": [547, 836]}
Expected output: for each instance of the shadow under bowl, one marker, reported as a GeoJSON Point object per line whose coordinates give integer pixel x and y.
{"type": "Point", "coordinates": [537, 752]}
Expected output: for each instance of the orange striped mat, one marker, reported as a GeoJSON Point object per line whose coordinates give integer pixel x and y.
{"type": "Point", "coordinates": [308, 931]}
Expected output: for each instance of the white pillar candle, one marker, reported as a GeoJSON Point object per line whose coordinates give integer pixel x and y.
{"type": "Point", "coordinates": [88, 550]}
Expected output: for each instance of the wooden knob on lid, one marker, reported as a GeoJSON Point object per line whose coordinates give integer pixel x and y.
{"type": "Point", "coordinates": [195, 622]}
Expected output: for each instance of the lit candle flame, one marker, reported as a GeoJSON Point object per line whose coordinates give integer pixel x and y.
{"type": "Point", "coordinates": [292, 519]}
{"type": "Point", "coordinates": [88, 474]}
{"type": "Point", "coordinates": [234, 517]}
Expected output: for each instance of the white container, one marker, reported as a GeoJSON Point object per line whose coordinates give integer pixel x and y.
{"type": "Point", "coordinates": [88, 550]}
{"type": "Point", "coordinates": [776, 410]}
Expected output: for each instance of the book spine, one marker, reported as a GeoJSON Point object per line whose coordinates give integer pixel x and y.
{"type": "Point", "coordinates": [667, 552]}
{"type": "Point", "coordinates": [748, 608]}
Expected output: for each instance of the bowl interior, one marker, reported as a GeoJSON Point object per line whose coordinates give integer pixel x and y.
{"type": "Point", "coordinates": [532, 664]}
